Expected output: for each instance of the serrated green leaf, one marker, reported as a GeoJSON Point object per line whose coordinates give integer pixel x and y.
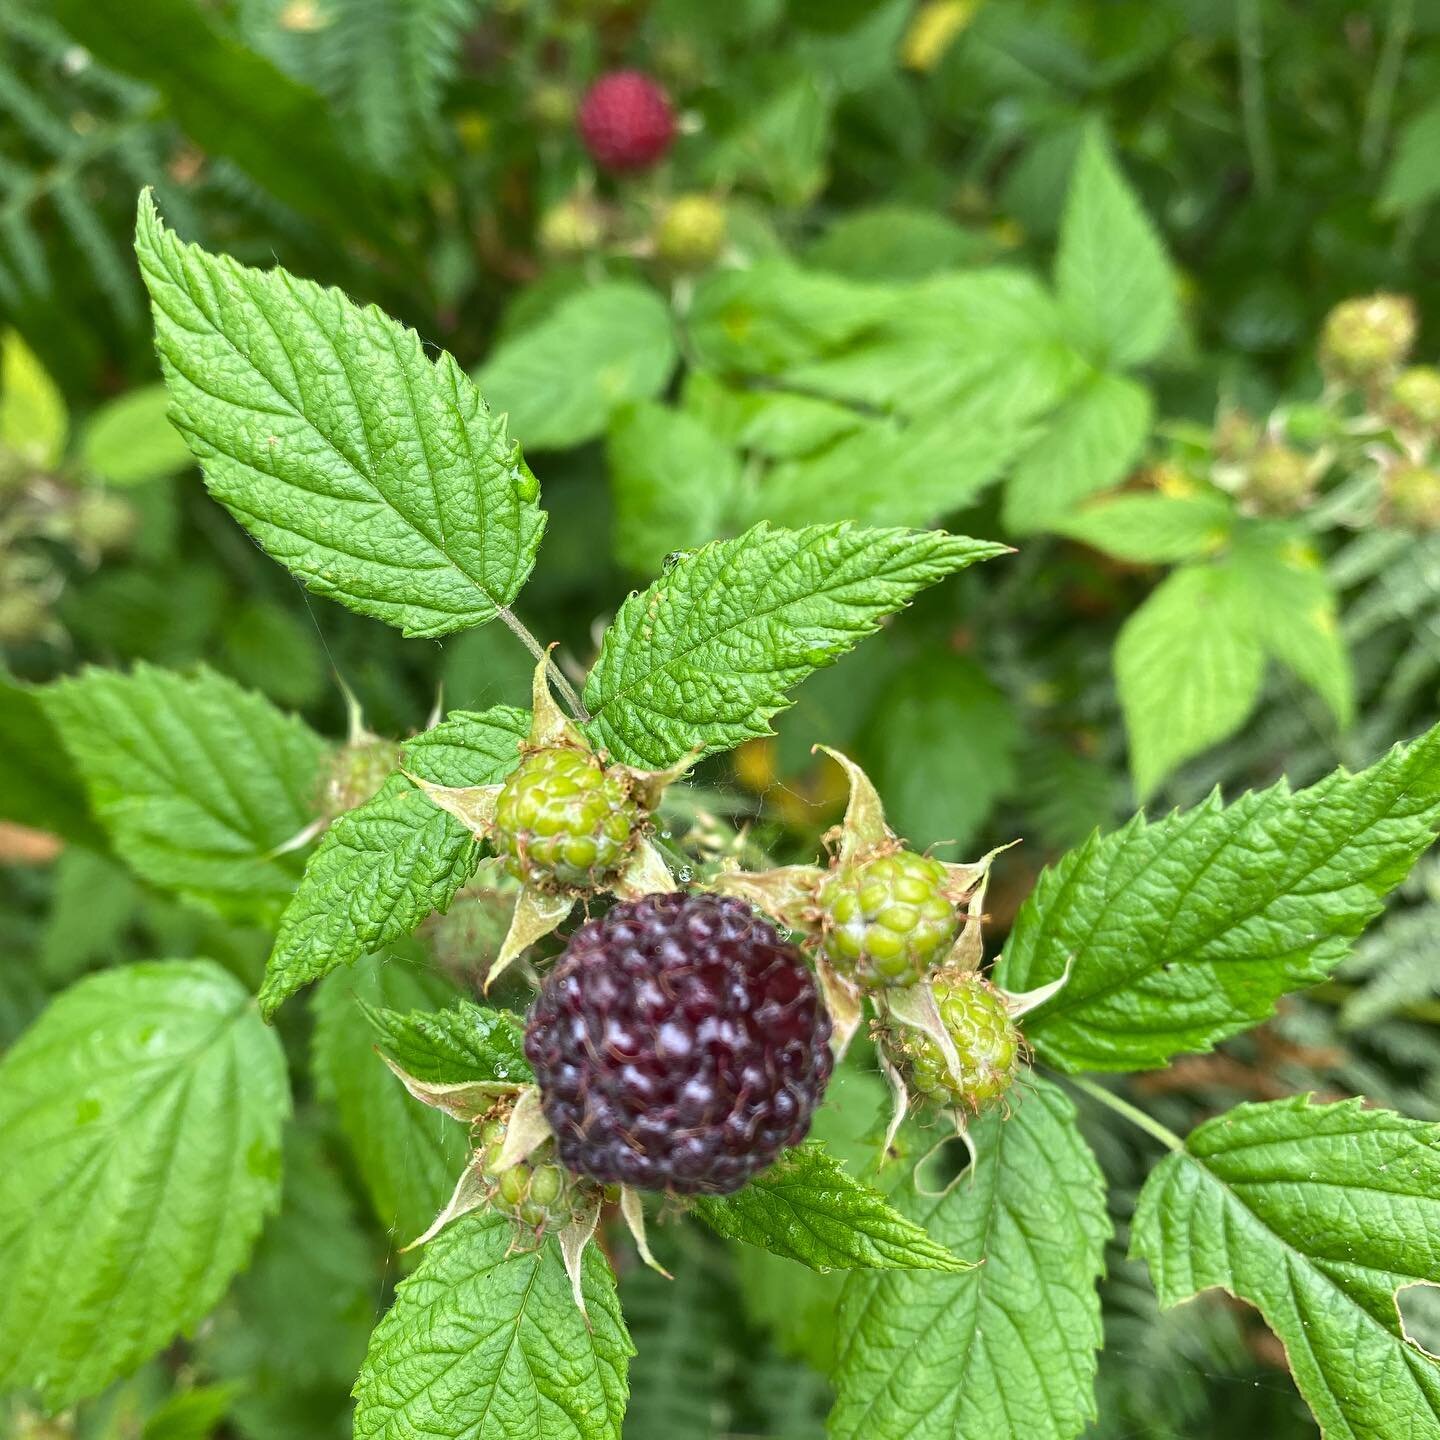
{"type": "Point", "coordinates": [1152, 529]}
{"type": "Point", "coordinates": [779, 424]}
{"type": "Point", "coordinates": [896, 242]}
{"type": "Point", "coordinates": [1007, 1350]}
{"type": "Point", "coordinates": [1089, 444]}
{"type": "Point", "coordinates": [1187, 930]}
{"type": "Point", "coordinates": [409, 1156]}
{"type": "Point", "coordinates": [130, 440]}
{"type": "Point", "coordinates": [808, 1207]}
{"type": "Point", "coordinates": [945, 708]}
{"type": "Point", "coordinates": [446, 1047]}
{"type": "Point", "coordinates": [140, 1119]}
{"type": "Point", "coordinates": [469, 747]}
{"type": "Point", "coordinates": [380, 477]}
{"type": "Point", "coordinates": [39, 784]}
{"type": "Point", "coordinates": [379, 870]}
{"type": "Point", "coordinates": [485, 1342]}
{"type": "Point", "coordinates": [562, 379]}
{"type": "Point", "coordinates": [1316, 1215]}
{"type": "Point", "coordinates": [673, 483]}
{"type": "Point", "coordinates": [780, 143]}
{"type": "Point", "coordinates": [197, 782]}
{"type": "Point", "coordinates": [1113, 277]}
{"type": "Point", "coordinates": [705, 655]}
{"type": "Point", "coordinates": [33, 418]}
{"type": "Point", "coordinates": [1189, 667]}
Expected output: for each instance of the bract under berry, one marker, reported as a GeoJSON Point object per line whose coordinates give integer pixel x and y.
{"type": "Point", "coordinates": [678, 1044]}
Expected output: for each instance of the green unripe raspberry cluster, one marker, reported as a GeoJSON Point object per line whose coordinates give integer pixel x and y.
{"type": "Point", "coordinates": [1412, 493]}
{"type": "Point", "coordinates": [1278, 479]}
{"type": "Point", "coordinates": [537, 1191]}
{"type": "Point", "coordinates": [1415, 397]}
{"type": "Point", "coordinates": [887, 921]}
{"type": "Point", "coordinates": [563, 821]}
{"type": "Point", "coordinates": [1366, 337]}
{"type": "Point", "coordinates": [987, 1044]}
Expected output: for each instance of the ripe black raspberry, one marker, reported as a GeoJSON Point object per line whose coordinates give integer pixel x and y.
{"type": "Point", "coordinates": [678, 1044]}
{"type": "Point", "coordinates": [626, 121]}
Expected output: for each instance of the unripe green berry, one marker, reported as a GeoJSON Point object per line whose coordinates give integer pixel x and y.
{"type": "Point", "coordinates": [887, 921]}
{"type": "Point", "coordinates": [570, 228]}
{"type": "Point", "coordinates": [356, 771]}
{"type": "Point", "coordinates": [563, 821]}
{"type": "Point", "coordinates": [987, 1044]}
{"type": "Point", "coordinates": [1415, 398]}
{"type": "Point", "coordinates": [537, 1192]}
{"type": "Point", "coordinates": [1366, 337]}
{"type": "Point", "coordinates": [1412, 493]}
{"type": "Point", "coordinates": [691, 234]}
{"type": "Point", "coordinates": [552, 103]}
{"type": "Point", "coordinates": [1278, 479]}
{"type": "Point", "coordinates": [23, 617]}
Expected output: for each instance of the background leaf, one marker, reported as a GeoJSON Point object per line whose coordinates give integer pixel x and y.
{"type": "Point", "coordinates": [130, 439]}
{"type": "Point", "coordinates": [140, 1118]}
{"type": "Point", "coordinates": [1316, 1215]}
{"type": "Point", "coordinates": [465, 1041]}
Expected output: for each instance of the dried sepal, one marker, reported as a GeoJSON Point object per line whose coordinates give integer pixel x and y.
{"type": "Point", "coordinates": [633, 1209]}
{"type": "Point", "coordinates": [971, 883]}
{"type": "Point", "coordinates": [915, 1006]}
{"type": "Point", "coordinates": [787, 893]}
{"type": "Point", "coordinates": [472, 1190]}
{"type": "Point", "coordinates": [549, 724]}
{"type": "Point", "coordinates": [899, 1095]}
{"type": "Point", "coordinates": [573, 1240]}
{"type": "Point", "coordinates": [845, 1002]}
{"type": "Point", "coordinates": [646, 874]}
{"type": "Point", "coordinates": [465, 1100]}
{"type": "Point", "coordinates": [472, 805]}
{"type": "Point", "coordinates": [538, 913]}
{"type": "Point", "coordinates": [649, 786]}
{"type": "Point", "coordinates": [526, 1130]}
{"type": "Point", "coordinates": [863, 828]}
{"type": "Point", "coordinates": [1022, 1002]}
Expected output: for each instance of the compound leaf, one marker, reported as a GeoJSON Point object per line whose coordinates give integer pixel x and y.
{"type": "Point", "coordinates": [705, 655]}
{"type": "Point", "coordinates": [485, 1342]}
{"type": "Point", "coordinates": [140, 1118]}
{"type": "Point", "coordinates": [1317, 1215]}
{"type": "Point", "coordinates": [1005, 1351]}
{"type": "Point", "coordinates": [378, 475]}
{"type": "Point", "coordinates": [197, 782]}
{"type": "Point", "coordinates": [1186, 930]}
{"type": "Point", "coordinates": [809, 1208]}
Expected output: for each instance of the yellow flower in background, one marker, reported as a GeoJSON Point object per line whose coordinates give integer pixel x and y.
{"type": "Point", "coordinates": [934, 28]}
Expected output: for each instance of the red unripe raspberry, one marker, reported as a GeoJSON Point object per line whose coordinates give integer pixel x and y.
{"type": "Point", "coordinates": [678, 1044]}
{"type": "Point", "coordinates": [626, 121]}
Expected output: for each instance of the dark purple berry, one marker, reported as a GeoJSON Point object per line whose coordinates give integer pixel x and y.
{"type": "Point", "coordinates": [679, 1044]}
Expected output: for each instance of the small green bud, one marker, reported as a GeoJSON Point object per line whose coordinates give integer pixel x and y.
{"type": "Point", "coordinates": [552, 103]}
{"type": "Point", "coordinates": [356, 771]}
{"type": "Point", "coordinates": [103, 522]}
{"type": "Point", "coordinates": [1415, 398]}
{"type": "Point", "coordinates": [691, 233]}
{"type": "Point", "coordinates": [24, 616]}
{"type": "Point", "coordinates": [1278, 479]}
{"type": "Point", "coordinates": [573, 227]}
{"type": "Point", "coordinates": [1412, 494]}
{"type": "Point", "coordinates": [1365, 338]}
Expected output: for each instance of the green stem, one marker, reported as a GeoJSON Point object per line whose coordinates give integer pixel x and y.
{"type": "Point", "coordinates": [1252, 95]}
{"type": "Point", "coordinates": [562, 685]}
{"type": "Point", "coordinates": [1381, 100]}
{"type": "Point", "coordinates": [1137, 1117]}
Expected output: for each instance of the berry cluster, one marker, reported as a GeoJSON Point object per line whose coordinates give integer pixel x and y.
{"type": "Point", "coordinates": [536, 1192]}
{"type": "Point", "coordinates": [678, 1044]}
{"type": "Point", "coordinates": [887, 921]}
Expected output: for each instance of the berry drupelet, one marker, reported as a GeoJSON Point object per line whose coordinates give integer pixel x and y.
{"type": "Point", "coordinates": [678, 1044]}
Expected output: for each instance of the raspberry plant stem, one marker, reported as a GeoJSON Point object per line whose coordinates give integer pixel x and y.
{"type": "Point", "coordinates": [1137, 1117]}
{"type": "Point", "coordinates": [567, 691]}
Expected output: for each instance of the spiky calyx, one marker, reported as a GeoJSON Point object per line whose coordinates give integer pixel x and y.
{"type": "Point", "coordinates": [564, 821]}
{"type": "Point", "coordinates": [986, 1039]}
{"type": "Point", "coordinates": [537, 1191]}
{"type": "Point", "coordinates": [1366, 338]}
{"type": "Point", "coordinates": [1412, 495]}
{"type": "Point", "coordinates": [691, 233]}
{"type": "Point", "coordinates": [678, 1044]}
{"type": "Point", "coordinates": [1278, 479]}
{"type": "Point", "coordinates": [887, 921]}
{"type": "Point", "coordinates": [626, 121]}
